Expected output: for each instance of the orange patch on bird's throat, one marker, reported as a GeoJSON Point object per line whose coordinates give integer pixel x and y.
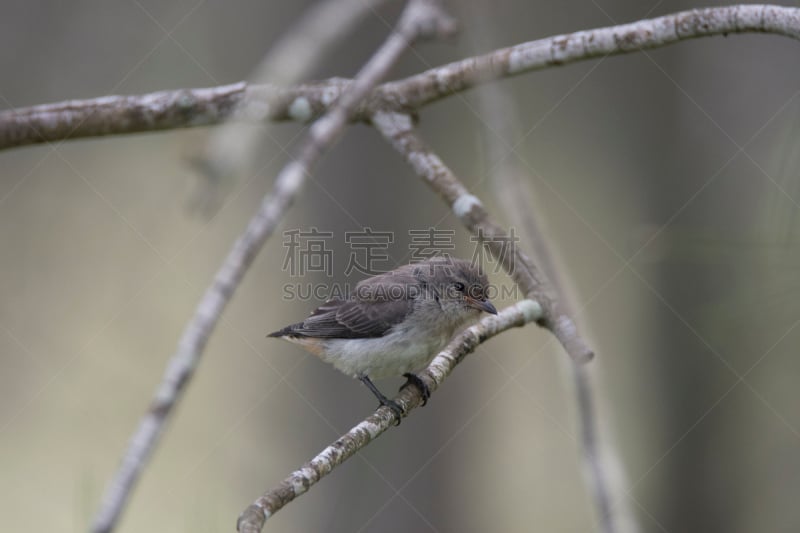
{"type": "Point", "coordinates": [309, 344]}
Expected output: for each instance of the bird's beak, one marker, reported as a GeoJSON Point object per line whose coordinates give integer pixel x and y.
{"type": "Point", "coordinates": [481, 305]}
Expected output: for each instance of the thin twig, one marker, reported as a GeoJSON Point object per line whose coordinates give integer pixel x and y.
{"type": "Point", "coordinates": [420, 19]}
{"type": "Point", "coordinates": [203, 107]}
{"type": "Point", "coordinates": [253, 518]}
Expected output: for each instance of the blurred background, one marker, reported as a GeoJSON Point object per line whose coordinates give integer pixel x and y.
{"type": "Point", "coordinates": [666, 180]}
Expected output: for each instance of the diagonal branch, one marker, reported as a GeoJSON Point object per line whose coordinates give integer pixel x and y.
{"type": "Point", "coordinates": [420, 19]}
{"type": "Point", "coordinates": [112, 115]}
{"type": "Point", "coordinates": [398, 130]}
{"type": "Point", "coordinates": [253, 518]}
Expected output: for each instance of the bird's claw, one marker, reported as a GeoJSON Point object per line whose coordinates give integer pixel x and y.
{"type": "Point", "coordinates": [413, 379]}
{"type": "Point", "coordinates": [395, 408]}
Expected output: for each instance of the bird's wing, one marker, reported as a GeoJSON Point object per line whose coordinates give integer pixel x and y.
{"type": "Point", "coordinates": [350, 319]}
{"type": "Point", "coordinates": [378, 304]}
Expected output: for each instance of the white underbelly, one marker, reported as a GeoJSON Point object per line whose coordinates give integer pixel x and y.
{"type": "Point", "coordinates": [380, 357]}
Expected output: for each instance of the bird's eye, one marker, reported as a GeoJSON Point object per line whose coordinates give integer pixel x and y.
{"type": "Point", "coordinates": [459, 286]}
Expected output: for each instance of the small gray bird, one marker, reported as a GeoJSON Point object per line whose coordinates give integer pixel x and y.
{"type": "Point", "coordinates": [395, 322]}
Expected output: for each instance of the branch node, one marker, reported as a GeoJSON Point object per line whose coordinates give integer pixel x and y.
{"type": "Point", "coordinates": [250, 519]}
{"type": "Point", "coordinates": [464, 204]}
{"type": "Point", "coordinates": [428, 20]}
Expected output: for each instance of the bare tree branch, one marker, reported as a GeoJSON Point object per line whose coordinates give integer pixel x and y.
{"type": "Point", "coordinates": [204, 107]}
{"type": "Point", "coordinates": [441, 82]}
{"type": "Point", "coordinates": [110, 115]}
{"type": "Point", "coordinates": [253, 518]}
{"type": "Point", "coordinates": [398, 130]}
{"type": "Point", "coordinates": [421, 18]}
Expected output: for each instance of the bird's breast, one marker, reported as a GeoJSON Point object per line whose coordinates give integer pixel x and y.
{"type": "Point", "coordinates": [394, 354]}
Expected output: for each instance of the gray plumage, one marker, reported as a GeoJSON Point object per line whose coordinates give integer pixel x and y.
{"type": "Point", "coordinates": [395, 322]}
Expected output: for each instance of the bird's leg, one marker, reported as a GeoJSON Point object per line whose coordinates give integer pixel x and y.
{"type": "Point", "coordinates": [413, 379]}
{"type": "Point", "coordinates": [386, 402]}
